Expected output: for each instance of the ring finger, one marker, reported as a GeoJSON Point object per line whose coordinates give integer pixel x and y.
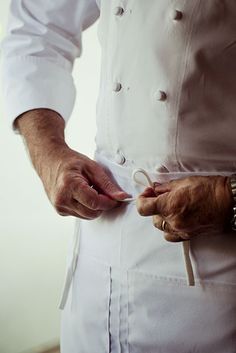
{"type": "Point", "coordinates": [160, 223]}
{"type": "Point", "coordinates": [169, 233]}
{"type": "Point", "coordinates": [83, 211]}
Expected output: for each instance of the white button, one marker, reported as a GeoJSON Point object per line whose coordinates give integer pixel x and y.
{"type": "Point", "coordinates": [161, 96]}
{"type": "Point", "coordinates": [177, 15]}
{"type": "Point", "coordinates": [118, 11]}
{"type": "Point", "coordinates": [116, 86]}
{"type": "Point", "coordinates": [120, 158]}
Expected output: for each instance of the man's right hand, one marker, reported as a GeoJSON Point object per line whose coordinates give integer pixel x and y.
{"type": "Point", "coordinates": [75, 184]}
{"type": "Point", "coordinates": [78, 186]}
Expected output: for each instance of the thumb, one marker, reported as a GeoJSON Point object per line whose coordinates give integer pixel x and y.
{"type": "Point", "coordinates": [108, 187]}
{"type": "Point", "coordinates": [148, 206]}
{"type": "Point", "coordinates": [161, 188]}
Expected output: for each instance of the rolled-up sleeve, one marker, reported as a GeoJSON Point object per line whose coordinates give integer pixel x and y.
{"type": "Point", "coordinates": [42, 41]}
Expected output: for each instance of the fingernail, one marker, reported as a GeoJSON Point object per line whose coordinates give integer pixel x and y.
{"type": "Point", "coordinates": [155, 184]}
{"type": "Point", "coordinates": [120, 195]}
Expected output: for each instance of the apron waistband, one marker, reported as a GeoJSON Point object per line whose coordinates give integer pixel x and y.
{"type": "Point", "coordinates": [127, 171]}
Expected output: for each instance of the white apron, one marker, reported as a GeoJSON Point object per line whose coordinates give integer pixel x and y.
{"type": "Point", "coordinates": [167, 104]}
{"type": "Point", "coordinates": [130, 292]}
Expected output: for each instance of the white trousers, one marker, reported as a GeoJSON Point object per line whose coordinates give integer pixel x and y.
{"type": "Point", "coordinates": [129, 291]}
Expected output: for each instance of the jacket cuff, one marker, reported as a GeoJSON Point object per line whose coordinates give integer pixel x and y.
{"type": "Point", "coordinates": [32, 82]}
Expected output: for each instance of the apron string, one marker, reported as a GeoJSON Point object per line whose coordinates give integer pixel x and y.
{"type": "Point", "coordinates": [185, 244]}
{"type": "Point", "coordinates": [70, 269]}
{"type": "Point", "coordinates": [188, 262]}
{"type": "Point", "coordinates": [72, 266]}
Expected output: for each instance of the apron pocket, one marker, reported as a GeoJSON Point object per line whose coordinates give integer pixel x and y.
{"type": "Point", "coordinates": [166, 315]}
{"type": "Point", "coordinates": [85, 319]}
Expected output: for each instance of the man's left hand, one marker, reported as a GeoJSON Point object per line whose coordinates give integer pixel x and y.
{"type": "Point", "coordinates": [190, 206]}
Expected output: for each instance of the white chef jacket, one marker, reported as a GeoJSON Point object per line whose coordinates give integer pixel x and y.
{"type": "Point", "coordinates": [193, 84]}
{"type": "Point", "coordinates": [166, 103]}
{"type": "Point", "coordinates": [42, 42]}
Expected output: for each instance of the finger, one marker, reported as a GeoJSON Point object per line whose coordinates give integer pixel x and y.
{"type": "Point", "coordinates": [108, 187]}
{"type": "Point", "coordinates": [83, 211]}
{"type": "Point", "coordinates": [90, 198]}
{"type": "Point", "coordinates": [69, 211]}
{"type": "Point", "coordinates": [174, 238]}
{"type": "Point", "coordinates": [148, 192]}
{"type": "Point", "coordinates": [161, 188]}
{"type": "Point", "coordinates": [169, 233]}
{"type": "Point", "coordinates": [148, 206]}
{"type": "Point", "coordinates": [157, 221]}
{"type": "Point", "coordinates": [173, 235]}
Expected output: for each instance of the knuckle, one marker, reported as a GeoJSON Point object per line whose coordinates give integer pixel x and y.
{"type": "Point", "coordinates": [62, 214]}
{"type": "Point", "coordinates": [177, 223]}
{"type": "Point", "coordinates": [59, 201]}
{"type": "Point", "coordinates": [94, 215]}
{"type": "Point", "coordinates": [141, 209]}
{"type": "Point", "coordinates": [65, 181]}
{"type": "Point", "coordinates": [61, 211]}
{"type": "Point", "coordinates": [107, 184]}
{"type": "Point", "coordinates": [186, 236]}
{"type": "Point", "coordinates": [93, 203]}
{"type": "Point", "coordinates": [88, 202]}
{"type": "Point", "coordinates": [156, 222]}
{"type": "Point", "coordinates": [156, 225]}
{"type": "Point", "coordinates": [174, 238]}
{"type": "Point", "coordinates": [168, 237]}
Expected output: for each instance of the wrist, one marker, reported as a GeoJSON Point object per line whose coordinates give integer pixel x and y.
{"type": "Point", "coordinates": [43, 134]}
{"type": "Point", "coordinates": [41, 125]}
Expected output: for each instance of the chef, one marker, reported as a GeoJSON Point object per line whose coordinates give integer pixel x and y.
{"type": "Point", "coordinates": [153, 264]}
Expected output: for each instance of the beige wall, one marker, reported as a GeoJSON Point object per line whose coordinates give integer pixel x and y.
{"type": "Point", "coordinates": [33, 238]}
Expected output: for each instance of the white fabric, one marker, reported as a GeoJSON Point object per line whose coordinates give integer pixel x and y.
{"type": "Point", "coordinates": [75, 253]}
{"type": "Point", "coordinates": [192, 60]}
{"type": "Point", "coordinates": [166, 104]}
{"type": "Point", "coordinates": [130, 293]}
{"type": "Point", "coordinates": [42, 42]}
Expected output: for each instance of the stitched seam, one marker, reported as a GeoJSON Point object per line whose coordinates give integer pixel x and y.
{"type": "Point", "coordinates": [109, 313]}
{"type": "Point", "coordinates": [180, 83]}
{"type": "Point", "coordinates": [113, 49]}
{"type": "Point", "coordinates": [106, 68]}
{"type": "Point", "coordinates": [121, 288]}
{"type": "Point", "coordinates": [182, 282]}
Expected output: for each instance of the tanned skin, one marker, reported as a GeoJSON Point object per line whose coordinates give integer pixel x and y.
{"type": "Point", "coordinates": [191, 206]}
{"type": "Point", "coordinates": [67, 175]}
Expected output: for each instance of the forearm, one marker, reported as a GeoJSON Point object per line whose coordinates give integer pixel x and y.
{"type": "Point", "coordinates": [65, 173]}
{"type": "Point", "coordinates": [43, 133]}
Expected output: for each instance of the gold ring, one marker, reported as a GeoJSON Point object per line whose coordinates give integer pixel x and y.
{"type": "Point", "coordinates": [163, 225]}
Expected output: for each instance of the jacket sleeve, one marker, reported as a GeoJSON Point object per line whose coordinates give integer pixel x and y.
{"type": "Point", "coordinates": [42, 41]}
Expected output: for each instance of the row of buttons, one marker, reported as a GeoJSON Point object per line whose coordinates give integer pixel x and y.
{"type": "Point", "coordinates": [175, 14]}
{"type": "Point", "coordinates": [120, 158]}
{"type": "Point", "coordinates": [160, 95]}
